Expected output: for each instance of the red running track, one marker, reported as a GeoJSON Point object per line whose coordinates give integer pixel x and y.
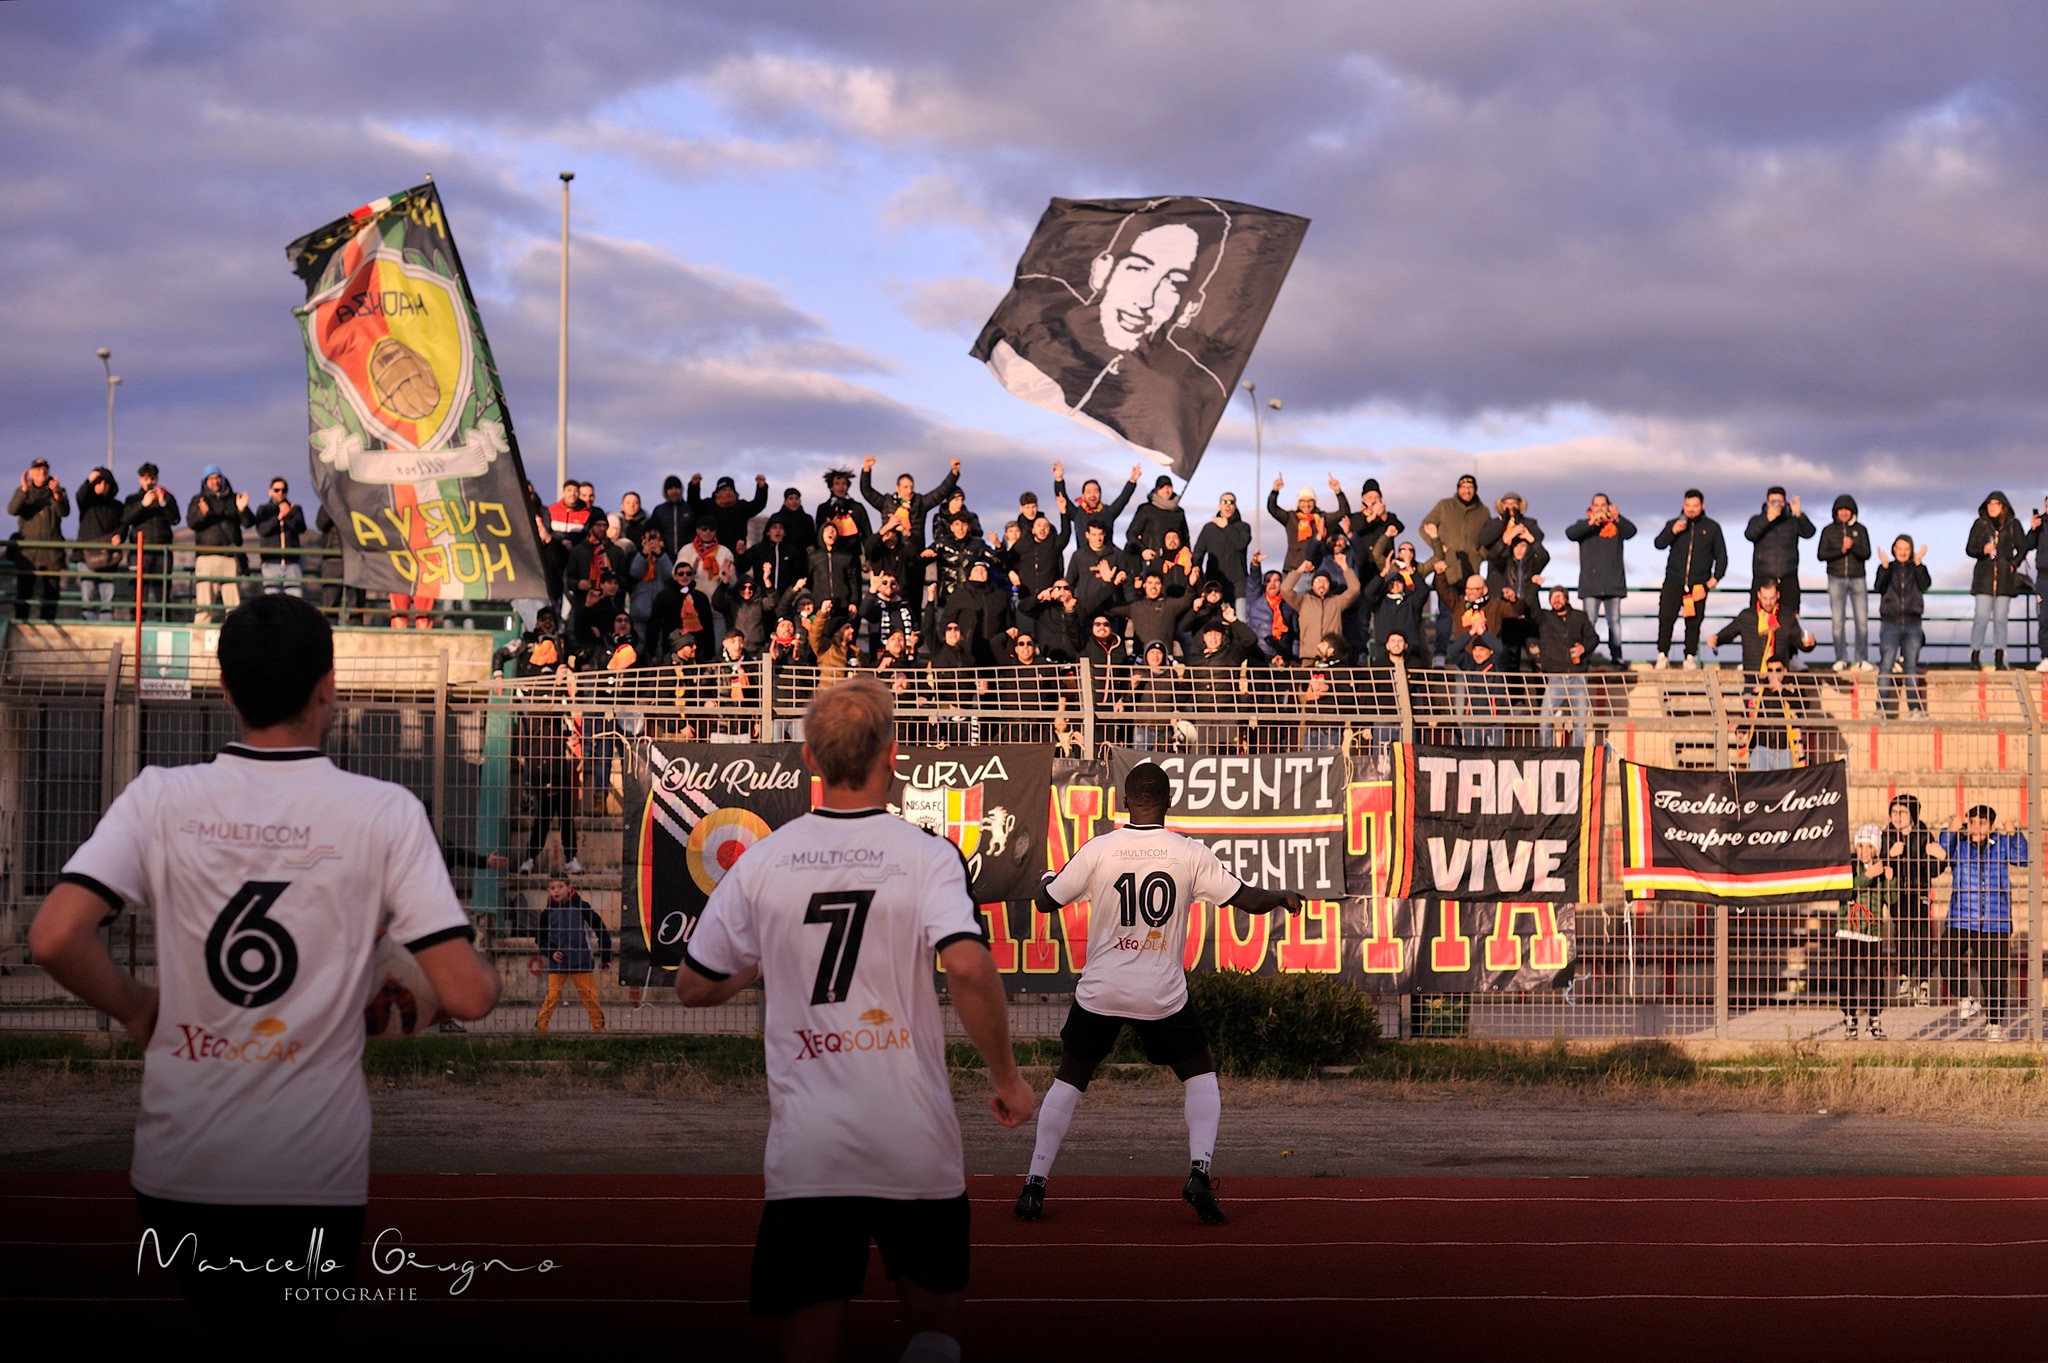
{"type": "Point", "coordinates": [1588, 1269]}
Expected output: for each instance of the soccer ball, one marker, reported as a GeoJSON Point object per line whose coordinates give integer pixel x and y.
{"type": "Point", "coordinates": [402, 1000]}
{"type": "Point", "coordinates": [403, 381]}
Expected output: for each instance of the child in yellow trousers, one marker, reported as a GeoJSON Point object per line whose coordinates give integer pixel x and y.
{"type": "Point", "coordinates": [566, 926]}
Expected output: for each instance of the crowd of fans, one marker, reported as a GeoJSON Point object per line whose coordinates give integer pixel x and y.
{"type": "Point", "coordinates": [898, 579]}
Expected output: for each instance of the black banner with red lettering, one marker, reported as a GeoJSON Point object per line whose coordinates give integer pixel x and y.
{"type": "Point", "coordinates": [1399, 946]}
{"type": "Point", "coordinates": [1293, 821]}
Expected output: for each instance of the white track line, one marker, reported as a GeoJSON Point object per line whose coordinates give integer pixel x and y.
{"type": "Point", "coordinates": [1495, 1203]}
{"type": "Point", "coordinates": [977, 1299]}
{"type": "Point", "coordinates": [1865, 1246]}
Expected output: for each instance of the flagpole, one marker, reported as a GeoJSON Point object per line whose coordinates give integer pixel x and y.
{"type": "Point", "coordinates": [1258, 467]}
{"type": "Point", "coordinates": [562, 350]}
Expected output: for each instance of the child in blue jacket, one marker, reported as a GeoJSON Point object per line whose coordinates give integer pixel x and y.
{"type": "Point", "coordinates": [1981, 850]}
{"type": "Point", "coordinates": [566, 926]}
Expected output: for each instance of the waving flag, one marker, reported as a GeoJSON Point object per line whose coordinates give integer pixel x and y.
{"type": "Point", "coordinates": [412, 447]}
{"type": "Point", "coordinates": [1135, 317]}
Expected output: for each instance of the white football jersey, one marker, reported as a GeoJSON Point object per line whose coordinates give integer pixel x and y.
{"type": "Point", "coordinates": [843, 912]}
{"type": "Point", "coordinates": [1139, 882]}
{"type": "Point", "coordinates": [271, 873]}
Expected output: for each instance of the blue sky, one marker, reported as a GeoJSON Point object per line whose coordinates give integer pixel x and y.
{"type": "Point", "coordinates": [1575, 244]}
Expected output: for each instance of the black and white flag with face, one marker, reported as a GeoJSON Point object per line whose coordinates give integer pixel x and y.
{"type": "Point", "coordinates": [1137, 316]}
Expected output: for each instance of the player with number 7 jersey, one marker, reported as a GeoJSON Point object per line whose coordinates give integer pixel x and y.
{"type": "Point", "coordinates": [840, 914]}
{"type": "Point", "coordinates": [1140, 881]}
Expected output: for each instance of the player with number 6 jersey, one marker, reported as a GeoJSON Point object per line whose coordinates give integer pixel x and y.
{"type": "Point", "coordinates": [1140, 881]}
{"type": "Point", "coordinates": [840, 914]}
{"type": "Point", "coordinates": [271, 873]}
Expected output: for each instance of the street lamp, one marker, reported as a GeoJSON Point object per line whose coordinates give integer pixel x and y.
{"type": "Point", "coordinates": [1259, 460]}
{"type": "Point", "coordinates": [113, 382]}
{"type": "Point", "coordinates": [562, 350]}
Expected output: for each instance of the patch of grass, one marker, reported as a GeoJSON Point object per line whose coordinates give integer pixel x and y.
{"type": "Point", "coordinates": [42, 1048]}
{"type": "Point", "coordinates": [712, 1058]}
{"type": "Point", "coordinates": [1893, 1082]}
{"type": "Point", "coordinates": [1901, 1081]}
{"type": "Point", "coordinates": [1627, 1062]}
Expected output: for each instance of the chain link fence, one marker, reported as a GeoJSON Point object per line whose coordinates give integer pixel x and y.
{"type": "Point", "coordinates": [524, 781]}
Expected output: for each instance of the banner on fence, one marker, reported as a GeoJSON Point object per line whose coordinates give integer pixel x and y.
{"type": "Point", "coordinates": [413, 452]}
{"type": "Point", "coordinates": [1288, 821]}
{"type": "Point", "coordinates": [1400, 946]}
{"type": "Point", "coordinates": [695, 809]}
{"type": "Point", "coordinates": [692, 811]}
{"type": "Point", "coordinates": [992, 802]}
{"type": "Point", "coordinates": [1735, 836]}
{"type": "Point", "coordinates": [1274, 819]}
{"type": "Point", "coordinates": [1490, 824]}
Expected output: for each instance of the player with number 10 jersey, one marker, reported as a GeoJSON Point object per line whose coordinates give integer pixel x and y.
{"type": "Point", "coordinates": [1140, 882]}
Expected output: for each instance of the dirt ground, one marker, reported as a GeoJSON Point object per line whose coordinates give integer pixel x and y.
{"type": "Point", "coordinates": [56, 1122]}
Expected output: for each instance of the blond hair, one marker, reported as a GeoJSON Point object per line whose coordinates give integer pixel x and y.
{"type": "Point", "coordinates": [847, 728]}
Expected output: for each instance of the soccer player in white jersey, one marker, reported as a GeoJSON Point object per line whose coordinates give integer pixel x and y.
{"type": "Point", "coordinates": [840, 914]}
{"type": "Point", "coordinates": [1139, 881]}
{"type": "Point", "coordinates": [271, 873]}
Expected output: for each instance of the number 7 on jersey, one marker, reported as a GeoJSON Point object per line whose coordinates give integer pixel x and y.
{"type": "Point", "coordinates": [847, 912]}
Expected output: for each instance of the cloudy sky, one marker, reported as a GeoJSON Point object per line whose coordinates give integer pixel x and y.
{"type": "Point", "coordinates": [1567, 243]}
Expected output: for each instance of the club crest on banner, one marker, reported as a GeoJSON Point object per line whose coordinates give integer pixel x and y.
{"type": "Point", "coordinates": [393, 337]}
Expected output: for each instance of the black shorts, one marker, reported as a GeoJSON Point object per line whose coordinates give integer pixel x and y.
{"type": "Point", "coordinates": [1178, 1040]}
{"type": "Point", "coordinates": [815, 1249]}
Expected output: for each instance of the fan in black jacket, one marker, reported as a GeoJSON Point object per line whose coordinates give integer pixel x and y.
{"type": "Point", "coordinates": [1845, 549]}
{"type": "Point", "coordinates": [1901, 586]}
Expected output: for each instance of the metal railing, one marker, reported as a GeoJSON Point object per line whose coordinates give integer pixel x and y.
{"type": "Point", "coordinates": [74, 730]}
{"type": "Point", "coordinates": [162, 585]}
{"type": "Point", "coordinates": [170, 581]}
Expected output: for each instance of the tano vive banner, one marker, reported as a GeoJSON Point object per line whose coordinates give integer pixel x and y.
{"type": "Point", "coordinates": [412, 447]}
{"type": "Point", "coordinates": [1501, 823]}
{"type": "Point", "coordinates": [1735, 836]}
{"type": "Point", "coordinates": [694, 809]}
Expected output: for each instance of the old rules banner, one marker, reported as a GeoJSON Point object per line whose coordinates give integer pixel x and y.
{"type": "Point", "coordinates": [412, 447]}
{"type": "Point", "coordinates": [695, 808]}
{"type": "Point", "coordinates": [1136, 316]}
{"type": "Point", "coordinates": [1490, 824]}
{"type": "Point", "coordinates": [1735, 836]}
{"type": "Point", "coordinates": [692, 810]}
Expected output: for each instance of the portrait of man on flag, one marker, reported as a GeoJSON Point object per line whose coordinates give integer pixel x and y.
{"type": "Point", "coordinates": [1136, 317]}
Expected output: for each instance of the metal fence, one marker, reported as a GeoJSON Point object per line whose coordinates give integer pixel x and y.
{"type": "Point", "coordinates": [74, 730]}
{"type": "Point", "coordinates": [165, 588]}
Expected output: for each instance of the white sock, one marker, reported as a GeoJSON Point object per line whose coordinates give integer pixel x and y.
{"type": "Point", "coordinates": [929, 1346]}
{"type": "Point", "coordinates": [1204, 1105]}
{"type": "Point", "coordinates": [1055, 1115]}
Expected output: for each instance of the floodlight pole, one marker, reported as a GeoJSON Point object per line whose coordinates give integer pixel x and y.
{"type": "Point", "coordinates": [562, 350]}
{"type": "Point", "coordinates": [113, 382]}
